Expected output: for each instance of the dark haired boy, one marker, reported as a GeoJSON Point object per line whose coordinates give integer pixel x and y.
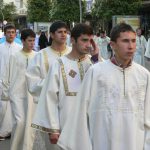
{"type": "Point", "coordinates": [58, 96]}
{"type": "Point", "coordinates": [113, 106]}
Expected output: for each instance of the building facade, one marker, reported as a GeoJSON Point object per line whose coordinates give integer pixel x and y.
{"type": "Point", "coordinates": [21, 10]}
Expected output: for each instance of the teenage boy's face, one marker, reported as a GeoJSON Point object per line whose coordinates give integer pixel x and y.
{"type": "Point", "coordinates": [28, 43]}
{"type": "Point", "coordinates": [60, 35]}
{"type": "Point", "coordinates": [83, 45]}
{"type": "Point", "coordinates": [10, 35]}
{"type": "Point", "coordinates": [125, 46]}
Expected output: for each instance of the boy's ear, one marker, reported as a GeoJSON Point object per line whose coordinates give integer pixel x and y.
{"type": "Point", "coordinates": [112, 45]}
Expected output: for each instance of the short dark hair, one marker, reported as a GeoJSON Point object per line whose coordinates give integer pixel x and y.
{"type": "Point", "coordinates": [116, 30]}
{"type": "Point", "coordinates": [56, 25]}
{"type": "Point", "coordinates": [81, 28]}
{"type": "Point", "coordinates": [102, 31]}
{"type": "Point", "coordinates": [9, 26]}
{"type": "Point", "coordinates": [25, 33]}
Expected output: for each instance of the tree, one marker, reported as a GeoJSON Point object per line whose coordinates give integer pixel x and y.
{"type": "Point", "coordinates": [38, 10]}
{"type": "Point", "coordinates": [105, 9]}
{"type": "Point", "coordinates": [66, 10]}
{"type": "Point", "coordinates": [7, 12]}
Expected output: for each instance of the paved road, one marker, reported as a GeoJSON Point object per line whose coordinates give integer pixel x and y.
{"type": "Point", "coordinates": [5, 145]}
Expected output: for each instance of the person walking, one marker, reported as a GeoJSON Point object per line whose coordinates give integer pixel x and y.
{"type": "Point", "coordinates": [62, 83]}
{"type": "Point", "coordinates": [141, 44]}
{"type": "Point", "coordinates": [43, 41]}
{"type": "Point", "coordinates": [21, 100]}
{"type": "Point", "coordinates": [7, 48]}
{"type": "Point", "coordinates": [112, 110]}
{"type": "Point", "coordinates": [38, 69]}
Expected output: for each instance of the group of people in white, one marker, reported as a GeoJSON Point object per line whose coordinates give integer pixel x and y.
{"type": "Point", "coordinates": [78, 97]}
{"type": "Point", "coordinates": [142, 46]}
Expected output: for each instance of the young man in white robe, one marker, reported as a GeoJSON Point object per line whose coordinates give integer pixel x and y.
{"type": "Point", "coordinates": [62, 84]}
{"type": "Point", "coordinates": [38, 69]}
{"type": "Point", "coordinates": [113, 106]}
{"type": "Point", "coordinates": [21, 101]}
{"type": "Point", "coordinates": [6, 49]}
{"type": "Point", "coordinates": [141, 44]}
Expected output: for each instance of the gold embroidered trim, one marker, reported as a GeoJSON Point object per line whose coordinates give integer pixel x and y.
{"type": "Point", "coordinates": [60, 53]}
{"type": "Point", "coordinates": [46, 60]}
{"type": "Point", "coordinates": [27, 54]}
{"type": "Point", "coordinates": [81, 70]}
{"type": "Point", "coordinates": [65, 80]}
{"type": "Point", "coordinates": [45, 129]}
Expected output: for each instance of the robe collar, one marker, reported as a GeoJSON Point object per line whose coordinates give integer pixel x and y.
{"type": "Point", "coordinates": [77, 59]}
{"type": "Point", "coordinates": [9, 44]}
{"type": "Point", "coordinates": [27, 54]}
{"type": "Point", "coordinates": [60, 53]}
{"type": "Point", "coordinates": [115, 62]}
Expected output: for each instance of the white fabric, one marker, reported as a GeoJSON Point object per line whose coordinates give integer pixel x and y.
{"type": "Point", "coordinates": [36, 74]}
{"type": "Point", "coordinates": [141, 44]}
{"type": "Point", "coordinates": [68, 40]}
{"type": "Point", "coordinates": [37, 71]}
{"type": "Point", "coordinates": [6, 49]}
{"type": "Point", "coordinates": [147, 52]}
{"type": "Point", "coordinates": [112, 110]}
{"type": "Point", "coordinates": [102, 44]}
{"type": "Point", "coordinates": [55, 106]}
{"type": "Point", "coordinates": [21, 137]}
{"type": "Point", "coordinates": [36, 44]}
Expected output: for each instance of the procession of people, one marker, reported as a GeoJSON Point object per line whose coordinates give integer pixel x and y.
{"type": "Point", "coordinates": [75, 90]}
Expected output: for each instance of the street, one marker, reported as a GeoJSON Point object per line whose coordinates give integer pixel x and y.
{"type": "Point", "coordinates": [5, 145]}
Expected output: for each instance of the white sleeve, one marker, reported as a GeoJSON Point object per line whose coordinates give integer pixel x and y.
{"type": "Point", "coordinates": [8, 78]}
{"type": "Point", "coordinates": [47, 113]}
{"type": "Point", "coordinates": [147, 116]}
{"type": "Point", "coordinates": [35, 76]}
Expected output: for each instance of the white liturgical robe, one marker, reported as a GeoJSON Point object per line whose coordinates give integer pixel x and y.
{"type": "Point", "coordinates": [112, 110]}
{"type": "Point", "coordinates": [59, 92]}
{"type": "Point", "coordinates": [36, 74]}
{"type": "Point", "coordinates": [6, 49]}
{"type": "Point", "coordinates": [141, 44]}
{"type": "Point", "coordinates": [15, 88]}
{"type": "Point", "coordinates": [39, 67]}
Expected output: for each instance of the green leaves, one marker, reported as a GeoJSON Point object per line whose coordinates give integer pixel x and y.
{"type": "Point", "coordinates": [8, 11]}
{"type": "Point", "coordinates": [38, 10]}
{"type": "Point", "coordinates": [105, 9]}
{"type": "Point", "coordinates": [66, 10]}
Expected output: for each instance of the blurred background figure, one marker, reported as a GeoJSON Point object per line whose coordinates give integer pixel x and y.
{"type": "Point", "coordinates": [102, 43]}
{"type": "Point", "coordinates": [16, 40]}
{"type": "Point", "coordinates": [43, 41]}
{"type": "Point", "coordinates": [68, 40]}
{"type": "Point", "coordinates": [36, 44]}
{"type": "Point", "coordinates": [141, 44]}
